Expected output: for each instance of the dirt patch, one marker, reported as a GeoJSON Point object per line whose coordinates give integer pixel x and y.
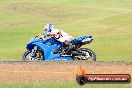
{"type": "Point", "coordinates": [56, 71]}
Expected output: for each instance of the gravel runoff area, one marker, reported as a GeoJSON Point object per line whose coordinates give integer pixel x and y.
{"type": "Point", "coordinates": [17, 71]}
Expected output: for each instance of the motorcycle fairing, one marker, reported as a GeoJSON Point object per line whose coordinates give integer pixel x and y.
{"type": "Point", "coordinates": [47, 49]}
{"type": "Point", "coordinates": [79, 39]}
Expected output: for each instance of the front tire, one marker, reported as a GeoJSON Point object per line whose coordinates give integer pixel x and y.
{"type": "Point", "coordinates": [27, 56]}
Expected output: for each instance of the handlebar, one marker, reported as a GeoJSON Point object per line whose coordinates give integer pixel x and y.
{"type": "Point", "coordinates": [38, 35]}
{"type": "Point", "coordinates": [41, 36]}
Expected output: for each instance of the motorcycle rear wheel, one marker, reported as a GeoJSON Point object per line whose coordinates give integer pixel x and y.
{"type": "Point", "coordinates": [88, 53]}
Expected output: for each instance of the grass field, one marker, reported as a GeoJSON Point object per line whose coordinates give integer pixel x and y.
{"type": "Point", "coordinates": [108, 21]}
{"type": "Point", "coordinates": [63, 85]}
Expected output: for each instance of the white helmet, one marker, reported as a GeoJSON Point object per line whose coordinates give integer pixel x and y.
{"type": "Point", "coordinates": [48, 28]}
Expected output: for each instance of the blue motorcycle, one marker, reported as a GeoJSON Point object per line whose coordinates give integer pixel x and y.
{"type": "Point", "coordinates": [49, 49]}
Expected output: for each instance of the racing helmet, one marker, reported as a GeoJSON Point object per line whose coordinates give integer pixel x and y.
{"type": "Point", "coordinates": [48, 28]}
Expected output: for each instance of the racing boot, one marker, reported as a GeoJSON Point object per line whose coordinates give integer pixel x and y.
{"type": "Point", "coordinates": [69, 48]}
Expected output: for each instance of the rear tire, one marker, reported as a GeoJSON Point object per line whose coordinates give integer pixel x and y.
{"type": "Point", "coordinates": [89, 54]}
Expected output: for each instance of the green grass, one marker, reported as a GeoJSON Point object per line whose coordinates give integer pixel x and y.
{"type": "Point", "coordinates": [63, 85]}
{"type": "Point", "coordinates": [108, 21]}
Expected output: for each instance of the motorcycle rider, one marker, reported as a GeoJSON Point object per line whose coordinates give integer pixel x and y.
{"type": "Point", "coordinates": [59, 35]}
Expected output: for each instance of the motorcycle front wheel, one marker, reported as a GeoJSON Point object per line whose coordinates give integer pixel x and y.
{"type": "Point", "coordinates": [27, 56]}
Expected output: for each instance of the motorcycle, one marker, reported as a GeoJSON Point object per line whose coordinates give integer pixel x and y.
{"type": "Point", "coordinates": [50, 49]}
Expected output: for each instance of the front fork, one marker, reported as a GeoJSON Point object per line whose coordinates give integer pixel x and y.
{"type": "Point", "coordinates": [34, 50]}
